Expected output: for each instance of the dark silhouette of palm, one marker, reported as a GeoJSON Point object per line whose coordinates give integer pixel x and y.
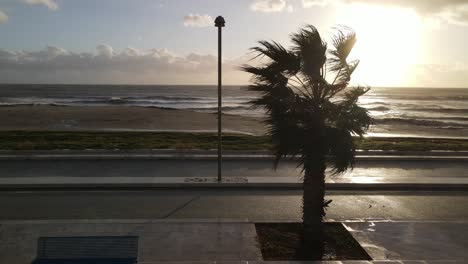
{"type": "Point", "coordinates": [312, 114]}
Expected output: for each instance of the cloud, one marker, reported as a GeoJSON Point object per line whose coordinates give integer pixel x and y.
{"type": "Point", "coordinates": [195, 20]}
{"type": "Point", "coordinates": [51, 4]}
{"type": "Point", "coordinates": [310, 3]}
{"type": "Point", "coordinates": [421, 6]}
{"type": "Point", "coordinates": [161, 66]}
{"type": "Point", "coordinates": [452, 11]}
{"type": "Point", "coordinates": [3, 17]}
{"type": "Point", "coordinates": [106, 65]}
{"type": "Point", "coordinates": [268, 6]}
{"type": "Point", "coordinates": [105, 51]}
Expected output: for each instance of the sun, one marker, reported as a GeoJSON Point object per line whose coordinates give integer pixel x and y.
{"type": "Point", "coordinates": [389, 42]}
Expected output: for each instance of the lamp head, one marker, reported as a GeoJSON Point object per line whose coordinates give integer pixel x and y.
{"type": "Point", "coordinates": [220, 22]}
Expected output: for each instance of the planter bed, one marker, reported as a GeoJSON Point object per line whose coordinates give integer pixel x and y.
{"type": "Point", "coordinates": [282, 241]}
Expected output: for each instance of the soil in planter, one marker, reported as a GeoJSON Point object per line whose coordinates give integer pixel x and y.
{"type": "Point", "coordinates": [282, 241]}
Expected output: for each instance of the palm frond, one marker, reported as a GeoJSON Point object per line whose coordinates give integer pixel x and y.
{"type": "Point", "coordinates": [350, 116]}
{"type": "Point", "coordinates": [281, 59]}
{"type": "Point", "coordinates": [343, 43]}
{"type": "Point", "coordinates": [341, 155]}
{"type": "Point", "coordinates": [309, 46]}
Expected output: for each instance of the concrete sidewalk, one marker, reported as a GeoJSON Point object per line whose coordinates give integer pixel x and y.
{"type": "Point", "coordinates": [234, 241]}
{"type": "Point", "coordinates": [162, 241]}
{"type": "Point", "coordinates": [333, 184]}
{"type": "Point", "coordinates": [256, 205]}
{"type": "Point", "coordinates": [443, 241]}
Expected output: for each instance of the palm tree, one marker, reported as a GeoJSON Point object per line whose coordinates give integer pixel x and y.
{"type": "Point", "coordinates": [312, 114]}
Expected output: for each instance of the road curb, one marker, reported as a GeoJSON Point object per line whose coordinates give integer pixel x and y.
{"type": "Point", "coordinates": [211, 155]}
{"type": "Point", "coordinates": [362, 187]}
{"type": "Point", "coordinates": [214, 152]}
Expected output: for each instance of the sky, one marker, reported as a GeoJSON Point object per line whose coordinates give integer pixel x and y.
{"type": "Point", "coordinates": [419, 43]}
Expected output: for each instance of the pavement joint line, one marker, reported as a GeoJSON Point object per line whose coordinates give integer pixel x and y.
{"type": "Point", "coordinates": [393, 261]}
{"type": "Point", "coordinates": [214, 151]}
{"type": "Point", "coordinates": [212, 220]}
{"type": "Point", "coordinates": [213, 157]}
{"type": "Point", "coordinates": [181, 207]}
{"type": "Point", "coordinates": [124, 221]}
{"type": "Point", "coordinates": [263, 185]}
{"type": "Point", "coordinates": [330, 193]}
{"type": "Point", "coordinates": [208, 154]}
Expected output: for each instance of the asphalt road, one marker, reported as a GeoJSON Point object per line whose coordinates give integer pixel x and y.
{"type": "Point", "coordinates": [256, 205]}
{"type": "Point", "coordinates": [231, 168]}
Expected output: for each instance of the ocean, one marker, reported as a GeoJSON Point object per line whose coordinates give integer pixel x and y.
{"type": "Point", "coordinates": [408, 112]}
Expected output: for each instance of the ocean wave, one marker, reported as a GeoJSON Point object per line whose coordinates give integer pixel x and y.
{"type": "Point", "coordinates": [185, 98]}
{"type": "Point", "coordinates": [441, 110]}
{"type": "Point", "coordinates": [453, 118]}
{"type": "Point", "coordinates": [119, 100]}
{"type": "Point", "coordinates": [379, 108]}
{"type": "Point", "coordinates": [425, 97]}
{"type": "Point", "coordinates": [420, 122]}
{"type": "Point", "coordinates": [415, 107]}
{"type": "Point", "coordinates": [452, 127]}
{"type": "Point", "coordinates": [225, 108]}
{"type": "Point", "coordinates": [16, 104]}
{"type": "Point", "coordinates": [184, 102]}
{"type": "Point", "coordinates": [153, 100]}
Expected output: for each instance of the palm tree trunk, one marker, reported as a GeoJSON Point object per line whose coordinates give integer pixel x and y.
{"type": "Point", "coordinates": [313, 207]}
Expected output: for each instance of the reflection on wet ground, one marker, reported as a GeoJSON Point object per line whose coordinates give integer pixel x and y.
{"type": "Point", "coordinates": [366, 171]}
{"type": "Point", "coordinates": [405, 171]}
{"type": "Point", "coordinates": [412, 240]}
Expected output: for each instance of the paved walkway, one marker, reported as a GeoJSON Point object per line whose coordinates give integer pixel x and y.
{"type": "Point", "coordinates": [412, 240]}
{"type": "Point", "coordinates": [188, 169]}
{"type": "Point", "coordinates": [259, 198]}
{"type": "Point", "coordinates": [233, 241]}
{"type": "Point", "coordinates": [350, 183]}
{"type": "Point", "coordinates": [157, 240]}
{"type": "Point", "coordinates": [257, 205]}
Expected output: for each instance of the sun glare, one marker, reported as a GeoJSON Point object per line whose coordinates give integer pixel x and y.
{"type": "Point", "coordinates": [388, 42]}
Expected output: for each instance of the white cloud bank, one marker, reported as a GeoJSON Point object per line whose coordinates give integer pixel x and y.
{"type": "Point", "coordinates": [268, 6]}
{"type": "Point", "coordinates": [195, 20]}
{"type": "Point", "coordinates": [3, 17]}
{"type": "Point", "coordinates": [129, 66]}
{"type": "Point", "coordinates": [311, 3]}
{"type": "Point", "coordinates": [51, 4]}
{"type": "Point", "coordinates": [452, 11]}
{"type": "Point", "coordinates": [160, 66]}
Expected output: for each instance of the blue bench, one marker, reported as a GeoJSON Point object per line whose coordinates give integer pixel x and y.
{"type": "Point", "coordinates": [87, 250]}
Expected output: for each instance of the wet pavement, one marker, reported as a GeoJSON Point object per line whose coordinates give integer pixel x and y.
{"type": "Point", "coordinates": [393, 226]}
{"type": "Point", "coordinates": [256, 205]}
{"type": "Point", "coordinates": [366, 171]}
{"type": "Point", "coordinates": [232, 241]}
{"type": "Point", "coordinates": [412, 240]}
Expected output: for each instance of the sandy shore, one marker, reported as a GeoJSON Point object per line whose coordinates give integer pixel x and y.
{"type": "Point", "coordinates": [123, 118]}
{"type": "Point", "coordinates": [105, 118]}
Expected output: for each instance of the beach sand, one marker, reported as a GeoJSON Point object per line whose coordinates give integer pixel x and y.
{"type": "Point", "coordinates": [126, 118]}
{"type": "Point", "coordinates": [110, 118]}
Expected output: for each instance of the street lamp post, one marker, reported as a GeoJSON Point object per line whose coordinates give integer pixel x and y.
{"type": "Point", "coordinates": [219, 23]}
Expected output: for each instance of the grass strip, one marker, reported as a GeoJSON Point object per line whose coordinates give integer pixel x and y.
{"type": "Point", "coordinates": [49, 140]}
